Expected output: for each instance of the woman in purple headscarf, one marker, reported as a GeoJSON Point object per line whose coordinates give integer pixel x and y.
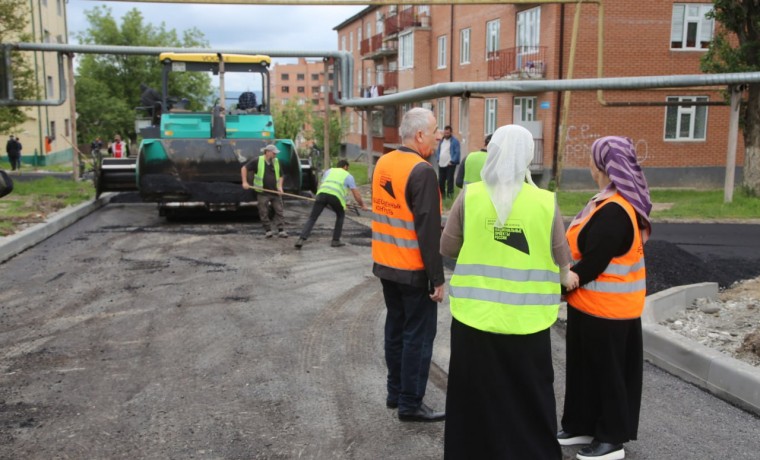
{"type": "Point", "coordinates": [604, 344]}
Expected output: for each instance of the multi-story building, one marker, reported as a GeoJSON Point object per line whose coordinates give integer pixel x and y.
{"type": "Point", "coordinates": [42, 135]}
{"type": "Point", "coordinates": [304, 80]}
{"type": "Point", "coordinates": [398, 48]}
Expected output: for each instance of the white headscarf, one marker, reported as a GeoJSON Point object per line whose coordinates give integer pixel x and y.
{"type": "Point", "coordinates": [506, 168]}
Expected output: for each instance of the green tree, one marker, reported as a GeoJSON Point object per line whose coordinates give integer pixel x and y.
{"type": "Point", "coordinates": [14, 17]}
{"type": "Point", "coordinates": [108, 86]}
{"type": "Point", "coordinates": [336, 130]}
{"type": "Point", "coordinates": [291, 118]}
{"type": "Point", "coordinates": [736, 48]}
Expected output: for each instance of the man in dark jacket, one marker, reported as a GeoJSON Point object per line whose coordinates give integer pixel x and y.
{"type": "Point", "coordinates": [13, 150]}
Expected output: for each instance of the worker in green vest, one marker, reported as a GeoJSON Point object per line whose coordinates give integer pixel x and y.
{"type": "Point", "coordinates": [469, 169]}
{"type": "Point", "coordinates": [508, 238]}
{"type": "Point", "coordinates": [332, 193]}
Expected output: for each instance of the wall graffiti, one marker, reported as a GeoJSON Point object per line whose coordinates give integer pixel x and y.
{"type": "Point", "coordinates": [579, 139]}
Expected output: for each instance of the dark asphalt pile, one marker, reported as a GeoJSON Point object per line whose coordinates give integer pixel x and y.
{"type": "Point", "coordinates": [668, 266]}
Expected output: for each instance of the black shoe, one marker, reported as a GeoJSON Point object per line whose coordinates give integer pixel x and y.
{"type": "Point", "coordinates": [571, 439]}
{"type": "Point", "coordinates": [601, 451]}
{"type": "Point", "coordinates": [337, 243]}
{"type": "Point", "coordinates": [391, 404]}
{"type": "Point", "coordinates": [300, 243]}
{"type": "Point", "coordinates": [422, 414]}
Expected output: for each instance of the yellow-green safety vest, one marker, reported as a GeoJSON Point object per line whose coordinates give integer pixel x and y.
{"type": "Point", "coordinates": [258, 178]}
{"type": "Point", "coordinates": [505, 280]}
{"type": "Point", "coordinates": [334, 184]}
{"type": "Point", "coordinates": [473, 164]}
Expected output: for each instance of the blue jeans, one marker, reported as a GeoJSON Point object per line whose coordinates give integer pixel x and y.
{"type": "Point", "coordinates": [410, 327]}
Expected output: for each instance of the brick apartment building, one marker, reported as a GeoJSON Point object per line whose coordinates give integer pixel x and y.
{"type": "Point", "coordinates": [398, 48]}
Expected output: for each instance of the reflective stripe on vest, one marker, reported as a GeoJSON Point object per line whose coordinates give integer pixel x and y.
{"type": "Point", "coordinates": [258, 178]}
{"type": "Point", "coordinates": [473, 164]}
{"type": "Point", "coordinates": [394, 238]}
{"type": "Point", "coordinates": [619, 292]}
{"type": "Point", "coordinates": [335, 184]}
{"type": "Point", "coordinates": [505, 280]}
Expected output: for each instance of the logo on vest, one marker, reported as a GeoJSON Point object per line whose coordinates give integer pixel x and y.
{"type": "Point", "coordinates": [511, 234]}
{"type": "Point", "coordinates": [385, 184]}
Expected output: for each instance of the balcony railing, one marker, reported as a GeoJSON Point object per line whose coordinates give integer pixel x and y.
{"type": "Point", "coordinates": [406, 19]}
{"type": "Point", "coordinates": [521, 62]}
{"type": "Point", "coordinates": [391, 25]}
{"type": "Point", "coordinates": [390, 79]}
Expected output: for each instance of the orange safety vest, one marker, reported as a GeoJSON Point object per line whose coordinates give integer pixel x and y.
{"type": "Point", "coordinates": [394, 238]}
{"type": "Point", "coordinates": [619, 291]}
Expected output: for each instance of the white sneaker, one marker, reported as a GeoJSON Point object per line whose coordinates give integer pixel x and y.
{"type": "Point", "coordinates": [283, 234]}
{"type": "Point", "coordinates": [269, 234]}
{"type": "Point", "coordinates": [568, 439]}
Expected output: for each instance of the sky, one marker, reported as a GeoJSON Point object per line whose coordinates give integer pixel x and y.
{"type": "Point", "coordinates": [255, 27]}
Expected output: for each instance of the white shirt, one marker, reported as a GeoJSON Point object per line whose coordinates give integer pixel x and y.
{"type": "Point", "coordinates": [445, 153]}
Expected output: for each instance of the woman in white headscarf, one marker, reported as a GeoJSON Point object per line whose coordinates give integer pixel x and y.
{"type": "Point", "coordinates": [508, 238]}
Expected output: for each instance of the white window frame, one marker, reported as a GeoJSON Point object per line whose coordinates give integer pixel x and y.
{"type": "Point", "coordinates": [369, 76]}
{"type": "Point", "coordinates": [379, 22]}
{"type": "Point", "coordinates": [490, 116]}
{"type": "Point", "coordinates": [351, 41]}
{"type": "Point", "coordinates": [49, 87]}
{"type": "Point", "coordinates": [380, 75]}
{"type": "Point", "coordinates": [527, 108]}
{"type": "Point", "coordinates": [359, 37]}
{"type": "Point", "coordinates": [343, 43]}
{"type": "Point", "coordinates": [369, 30]}
{"type": "Point", "coordinates": [440, 113]}
{"type": "Point", "coordinates": [406, 51]}
{"type": "Point", "coordinates": [442, 52]}
{"type": "Point", "coordinates": [423, 10]}
{"type": "Point", "coordinates": [464, 45]}
{"type": "Point", "coordinates": [464, 118]}
{"type": "Point", "coordinates": [690, 112]}
{"type": "Point", "coordinates": [691, 15]}
{"type": "Point", "coordinates": [493, 30]}
{"type": "Point", "coordinates": [528, 30]}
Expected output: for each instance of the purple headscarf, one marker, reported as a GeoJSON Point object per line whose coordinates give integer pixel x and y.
{"type": "Point", "coordinates": [616, 156]}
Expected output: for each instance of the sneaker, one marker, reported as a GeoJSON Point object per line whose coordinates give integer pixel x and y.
{"type": "Point", "coordinates": [601, 451]}
{"type": "Point", "coordinates": [570, 439]}
{"type": "Point", "coordinates": [282, 234]}
{"type": "Point", "coordinates": [299, 243]}
{"type": "Point", "coordinates": [269, 234]}
{"type": "Point", "coordinates": [337, 244]}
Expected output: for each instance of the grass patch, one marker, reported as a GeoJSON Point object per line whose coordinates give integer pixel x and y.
{"type": "Point", "coordinates": [359, 171]}
{"type": "Point", "coordinates": [31, 201]}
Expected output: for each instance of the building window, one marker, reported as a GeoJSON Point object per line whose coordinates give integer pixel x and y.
{"type": "Point", "coordinates": [343, 43]}
{"type": "Point", "coordinates": [315, 77]}
{"type": "Point", "coordinates": [300, 77]}
{"type": "Point", "coordinates": [66, 127]}
{"type": "Point", "coordinates": [369, 29]}
{"type": "Point", "coordinates": [359, 76]}
{"type": "Point", "coordinates": [379, 22]}
{"type": "Point", "coordinates": [301, 89]}
{"type": "Point", "coordinates": [315, 89]}
{"type": "Point", "coordinates": [45, 36]}
{"type": "Point", "coordinates": [286, 89]}
{"type": "Point", "coordinates": [49, 87]}
{"type": "Point", "coordinates": [359, 36]}
{"type": "Point", "coordinates": [525, 109]}
{"type": "Point", "coordinates": [529, 30]}
{"type": "Point", "coordinates": [464, 115]}
{"type": "Point", "coordinates": [464, 46]}
{"type": "Point", "coordinates": [285, 77]}
{"type": "Point", "coordinates": [686, 122]}
{"type": "Point", "coordinates": [52, 131]}
{"type": "Point", "coordinates": [490, 116]}
{"type": "Point", "coordinates": [406, 51]}
{"type": "Point", "coordinates": [423, 10]}
{"type": "Point", "coordinates": [330, 76]}
{"type": "Point", "coordinates": [492, 37]}
{"type": "Point", "coordinates": [369, 77]}
{"type": "Point", "coordinates": [442, 52]}
{"type": "Point", "coordinates": [58, 7]}
{"type": "Point", "coordinates": [59, 39]}
{"type": "Point", "coordinates": [440, 113]}
{"type": "Point", "coordinates": [380, 74]}
{"type": "Point", "coordinates": [690, 27]}
{"type": "Point", "coordinates": [351, 41]}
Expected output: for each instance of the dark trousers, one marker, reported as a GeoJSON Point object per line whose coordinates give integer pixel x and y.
{"type": "Point", "coordinates": [15, 161]}
{"type": "Point", "coordinates": [410, 327]}
{"type": "Point", "coordinates": [331, 201]}
{"type": "Point", "coordinates": [263, 203]}
{"type": "Point", "coordinates": [446, 180]}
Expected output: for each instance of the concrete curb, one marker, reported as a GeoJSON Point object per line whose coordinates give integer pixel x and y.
{"type": "Point", "coordinates": [725, 377]}
{"type": "Point", "coordinates": [19, 242]}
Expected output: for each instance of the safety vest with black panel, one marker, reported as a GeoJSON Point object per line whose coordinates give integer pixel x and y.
{"type": "Point", "coordinates": [473, 164]}
{"type": "Point", "coordinates": [506, 280]}
{"type": "Point", "coordinates": [258, 178]}
{"type": "Point", "coordinates": [334, 183]}
{"type": "Point", "coordinates": [619, 292]}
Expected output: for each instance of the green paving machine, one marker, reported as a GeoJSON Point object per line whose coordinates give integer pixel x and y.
{"type": "Point", "coordinates": [192, 160]}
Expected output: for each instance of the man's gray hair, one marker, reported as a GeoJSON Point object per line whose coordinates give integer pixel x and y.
{"type": "Point", "coordinates": [416, 119]}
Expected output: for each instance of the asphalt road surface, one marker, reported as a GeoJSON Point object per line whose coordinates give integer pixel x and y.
{"type": "Point", "coordinates": [127, 336]}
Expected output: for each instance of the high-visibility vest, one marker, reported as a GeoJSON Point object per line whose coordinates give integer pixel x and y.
{"type": "Point", "coordinates": [334, 183]}
{"type": "Point", "coordinates": [620, 290]}
{"type": "Point", "coordinates": [258, 178]}
{"type": "Point", "coordinates": [505, 280]}
{"type": "Point", "coordinates": [394, 238]}
{"type": "Point", "coordinates": [473, 164]}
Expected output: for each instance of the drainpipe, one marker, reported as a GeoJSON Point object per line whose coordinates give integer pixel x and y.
{"type": "Point", "coordinates": [451, 64]}
{"type": "Point", "coordinates": [557, 112]}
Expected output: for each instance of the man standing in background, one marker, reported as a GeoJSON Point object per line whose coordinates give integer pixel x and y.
{"type": "Point", "coordinates": [448, 154]}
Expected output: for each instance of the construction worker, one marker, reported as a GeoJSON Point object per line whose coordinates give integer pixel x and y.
{"type": "Point", "coordinates": [267, 181]}
{"type": "Point", "coordinates": [332, 192]}
{"type": "Point", "coordinates": [473, 164]}
{"type": "Point", "coordinates": [406, 232]}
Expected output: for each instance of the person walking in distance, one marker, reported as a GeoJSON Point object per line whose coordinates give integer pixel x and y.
{"type": "Point", "coordinates": [469, 169]}
{"type": "Point", "coordinates": [118, 148]}
{"type": "Point", "coordinates": [406, 231]}
{"type": "Point", "coordinates": [267, 182]}
{"type": "Point", "coordinates": [508, 238]}
{"type": "Point", "coordinates": [13, 150]}
{"type": "Point", "coordinates": [336, 182]}
{"type": "Point", "coordinates": [605, 362]}
{"type": "Point", "coordinates": [448, 154]}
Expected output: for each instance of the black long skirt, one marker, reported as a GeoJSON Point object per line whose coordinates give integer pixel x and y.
{"type": "Point", "coordinates": [605, 362]}
{"type": "Point", "coordinates": [500, 398]}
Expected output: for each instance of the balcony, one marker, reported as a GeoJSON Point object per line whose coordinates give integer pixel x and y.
{"type": "Point", "coordinates": [521, 63]}
{"type": "Point", "coordinates": [375, 47]}
{"type": "Point", "coordinates": [390, 81]}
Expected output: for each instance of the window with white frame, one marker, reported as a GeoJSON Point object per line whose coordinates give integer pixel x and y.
{"type": "Point", "coordinates": [442, 52]}
{"type": "Point", "coordinates": [49, 88]}
{"type": "Point", "coordinates": [351, 41]}
{"type": "Point", "coordinates": [464, 46]}
{"type": "Point", "coordinates": [528, 29]}
{"type": "Point", "coordinates": [359, 77]}
{"type": "Point", "coordinates": [492, 37]}
{"type": "Point", "coordinates": [686, 122]}
{"type": "Point", "coordinates": [464, 116]}
{"type": "Point", "coordinates": [369, 30]}
{"type": "Point", "coordinates": [490, 116]}
{"type": "Point", "coordinates": [359, 36]}
{"type": "Point", "coordinates": [525, 109]}
{"type": "Point", "coordinates": [379, 22]}
{"type": "Point", "coordinates": [440, 113]}
{"type": "Point", "coordinates": [406, 51]}
{"type": "Point", "coordinates": [690, 28]}
{"type": "Point", "coordinates": [369, 76]}
{"type": "Point", "coordinates": [343, 43]}
{"type": "Point", "coordinates": [423, 10]}
{"type": "Point", "coordinates": [380, 74]}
